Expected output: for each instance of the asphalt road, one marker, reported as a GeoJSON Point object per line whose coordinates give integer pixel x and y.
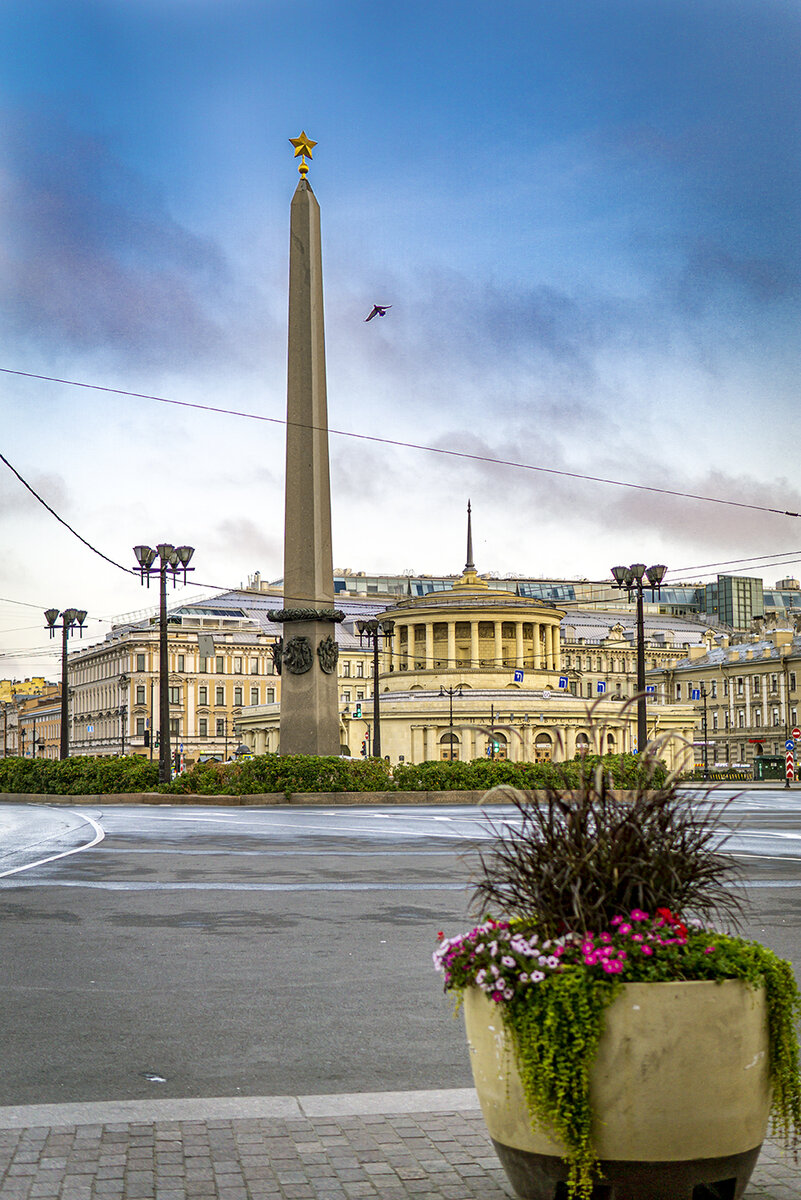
{"type": "Point", "coordinates": [157, 951]}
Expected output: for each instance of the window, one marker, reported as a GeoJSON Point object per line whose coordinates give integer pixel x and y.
{"type": "Point", "coordinates": [254, 695]}
{"type": "Point", "coordinates": [739, 685]}
{"type": "Point", "coordinates": [360, 695]}
{"type": "Point", "coordinates": [140, 662]}
{"type": "Point", "coordinates": [219, 695]}
{"type": "Point", "coordinates": [140, 693]}
{"type": "Point", "coordinates": [203, 694]}
{"type": "Point", "coordinates": [775, 716]}
{"type": "Point", "coordinates": [175, 695]}
{"type": "Point", "coordinates": [725, 687]}
{"type": "Point", "coordinates": [346, 697]}
{"type": "Point", "coordinates": [346, 669]}
{"type": "Point", "coordinates": [740, 718]}
{"type": "Point", "coordinates": [714, 720]}
{"type": "Point", "coordinates": [755, 684]}
{"type": "Point", "coordinates": [203, 664]}
{"type": "Point", "coordinates": [254, 666]}
{"type": "Point", "coordinates": [678, 691]}
{"type": "Point", "coordinates": [140, 726]}
{"type": "Point", "coordinates": [203, 727]}
{"type": "Point", "coordinates": [792, 681]}
{"type": "Point", "coordinates": [175, 731]}
{"type": "Point", "coordinates": [237, 666]}
{"type": "Point", "coordinates": [714, 689]}
{"type": "Point", "coordinates": [238, 695]}
{"type": "Point", "coordinates": [221, 727]}
{"type": "Point", "coordinates": [359, 669]}
{"type": "Point", "coordinates": [757, 717]}
{"type": "Point", "coordinates": [774, 683]}
{"type": "Point", "coordinates": [181, 662]}
{"type": "Point", "coordinates": [271, 695]}
{"type": "Point", "coordinates": [726, 720]}
{"type": "Point", "coordinates": [220, 665]}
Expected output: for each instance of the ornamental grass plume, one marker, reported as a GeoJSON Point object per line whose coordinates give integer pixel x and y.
{"type": "Point", "coordinates": [582, 855]}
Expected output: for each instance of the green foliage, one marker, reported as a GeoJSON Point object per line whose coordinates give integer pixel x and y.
{"type": "Point", "coordinates": [268, 773]}
{"type": "Point", "coordinates": [78, 776]}
{"type": "Point", "coordinates": [627, 771]}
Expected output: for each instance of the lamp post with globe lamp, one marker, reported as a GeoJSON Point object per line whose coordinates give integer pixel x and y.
{"type": "Point", "coordinates": [631, 578]}
{"type": "Point", "coordinates": [170, 560]}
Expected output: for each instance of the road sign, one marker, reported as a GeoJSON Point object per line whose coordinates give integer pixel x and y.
{"type": "Point", "coordinates": [650, 690]}
{"type": "Point", "coordinates": [796, 733]}
{"type": "Point", "coordinates": [600, 688]}
{"type": "Point", "coordinates": [789, 744]}
{"type": "Point", "coordinates": [789, 769]}
{"type": "Point", "coordinates": [90, 728]}
{"type": "Point", "coordinates": [695, 694]}
{"type": "Point", "coordinates": [518, 676]}
{"type": "Point", "coordinates": [563, 684]}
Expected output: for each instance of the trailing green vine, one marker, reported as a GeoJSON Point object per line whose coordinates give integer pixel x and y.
{"type": "Point", "coordinates": [553, 993]}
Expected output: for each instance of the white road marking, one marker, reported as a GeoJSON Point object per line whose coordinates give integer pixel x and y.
{"type": "Point", "coordinates": [99, 835]}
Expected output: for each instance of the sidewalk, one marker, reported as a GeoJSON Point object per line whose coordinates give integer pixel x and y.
{"type": "Point", "coordinates": [394, 1145]}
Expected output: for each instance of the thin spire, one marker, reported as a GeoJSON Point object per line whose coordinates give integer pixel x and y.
{"type": "Point", "coordinates": [469, 565]}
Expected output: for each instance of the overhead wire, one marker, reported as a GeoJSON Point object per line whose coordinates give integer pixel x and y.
{"type": "Point", "coordinates": [367, 437]}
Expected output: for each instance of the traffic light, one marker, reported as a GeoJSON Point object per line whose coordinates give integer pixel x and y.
{"type": "Point", "coordinates": [147, 737]}
{"type": "Point", "coordinates": [364, 749]}
{"type": "Point", "coordinates": [357, 711]}
{"type": "Point", "coordinates": [158, 735]}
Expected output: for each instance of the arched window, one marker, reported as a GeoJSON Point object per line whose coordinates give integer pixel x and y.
{"type": "Point", "coordinates": [449, 747]}
{"type": "Point", "coordinates": [543, 747]}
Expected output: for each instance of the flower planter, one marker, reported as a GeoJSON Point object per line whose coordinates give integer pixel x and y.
{"type": "Point", "coordinates": [680, 1094]}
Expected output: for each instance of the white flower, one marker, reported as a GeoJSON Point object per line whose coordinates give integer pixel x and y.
{"type": "Point", "coordinates": [537, 976]}
{"type": "Point", "coordinates": [508, 961]}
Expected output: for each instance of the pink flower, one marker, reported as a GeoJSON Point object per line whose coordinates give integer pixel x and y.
{"type": "Point", "coordinates": [616, 921]}
{"type": "Point", "coordinates": [605, 937]}
{"type": "Point", "coordinates": [624, 928]}
{"type": "Point", "coordinates": [637, 914]}
{"type": "Point", "coordinates": [637, 937]}
{"type": "Point", "coordinates": [709, 950]}
{"type": "Point", "coordinates": [612, 967]}
{"type": "Point", "coordinates": [646, 950]}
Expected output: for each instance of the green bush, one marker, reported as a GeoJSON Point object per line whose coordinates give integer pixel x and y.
{"type": "Point", "coordinates": [78, 776]}
{"type": "Point", "coordinates": [627, 771]}
{"type": "Point", "coordinates": [268, 773]}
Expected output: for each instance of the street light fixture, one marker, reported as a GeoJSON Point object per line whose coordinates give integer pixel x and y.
{"type": "Point", "coordinates": [70, 617]}
{"type": "Point", "coordinates": [123, 685]}
{"type": "Point", "coordinates": [450, 693]}
{"type": "Point", "coordinates": [171, 560]}
{"type": "Point", "coordinates": [631, 578]}
{"type": "Point", "coordinates": [373, 630]}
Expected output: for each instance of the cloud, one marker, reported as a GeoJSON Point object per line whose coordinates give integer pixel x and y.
{"type": "Point", "coordinates": [94, 261]}
{"type": "Point", "coordinates": [16, 500]}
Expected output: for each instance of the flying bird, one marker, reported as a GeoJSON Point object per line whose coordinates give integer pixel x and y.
{"type": "Point", "coordinates": [379, 310]}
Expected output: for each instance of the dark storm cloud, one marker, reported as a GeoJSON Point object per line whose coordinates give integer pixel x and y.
{"type": "Point", "coordinates": [93, 259]}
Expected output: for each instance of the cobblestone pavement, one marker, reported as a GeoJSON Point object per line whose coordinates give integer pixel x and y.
{"type": "Point", "coordinates": [433, 1154]}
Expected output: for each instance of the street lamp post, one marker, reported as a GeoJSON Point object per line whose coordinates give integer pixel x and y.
{"type": "Point", "coordinates": [631, 578]}
{"type": "Point", "coordinates": [123, 683]}
{"type": "Point", "coordinates": [704, 695]}
{"type": "Point", "coordinates": [69, 617]}
{"type": "Point", "coordinates": [450, 693]}
{"type": "Point", "coordinates": [173, 560]}
{"type": "Point", "coordinates": [373, 630]}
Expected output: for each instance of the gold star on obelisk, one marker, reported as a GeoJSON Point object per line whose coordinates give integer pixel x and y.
{"type": "Point", "coordinates": [303, 147]}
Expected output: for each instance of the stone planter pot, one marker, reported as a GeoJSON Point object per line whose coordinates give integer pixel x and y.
{"type": "Point", "coordinates": [680, 1093]}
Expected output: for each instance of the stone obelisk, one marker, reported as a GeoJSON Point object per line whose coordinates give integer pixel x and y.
{"type": "Point", "coordinates": [308, 659]}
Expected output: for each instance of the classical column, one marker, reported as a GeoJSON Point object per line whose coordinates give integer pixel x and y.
{"type": "Point", "coordinates": [519, 644]}
{"type": "Point", "coordinates": [451, 646]}
{"type": "Point", "coordinates": [498, 643]}
{"type": "Point", "coordinates": [474, 651]}
{"type": "Point", "coordinates": [309, 708]}
{"type": "Point", "coordinates": [429, 646]}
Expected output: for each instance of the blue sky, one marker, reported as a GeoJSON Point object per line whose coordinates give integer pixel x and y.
{"type": "Point", "coordinates": [585, 216]}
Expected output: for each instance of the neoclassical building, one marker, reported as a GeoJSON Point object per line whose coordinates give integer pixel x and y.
{"type": "Point", "coordinates": [475, 671]}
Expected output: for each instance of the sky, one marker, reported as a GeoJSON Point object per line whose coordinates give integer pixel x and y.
{"type": "Point", "coordinates": [585, 216]}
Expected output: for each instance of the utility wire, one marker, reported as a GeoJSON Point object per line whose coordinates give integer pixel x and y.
{"type": "Point", "coordinates": [66, 524]}
{"type": "Point", "coordinates": [367, 437]}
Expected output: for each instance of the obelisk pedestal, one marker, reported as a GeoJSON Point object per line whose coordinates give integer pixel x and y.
{"type": "Point", "coordinates": [308, 662]}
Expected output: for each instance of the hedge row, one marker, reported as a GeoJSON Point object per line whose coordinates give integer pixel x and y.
{"type": "Point", "coordinates": [308, 773]}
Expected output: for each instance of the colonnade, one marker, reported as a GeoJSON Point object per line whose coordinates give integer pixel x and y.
{"type": "Point", "coordinates": [472, 644]}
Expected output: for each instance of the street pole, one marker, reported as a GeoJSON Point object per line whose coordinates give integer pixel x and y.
{"type": "Point", "coordinates": [706, 746]}
{"type": "Point", "coordinates": [69, 617]}
{"type": "Point", "coordinates": [450, 693]}
{"type": "Point", "coordinates": [631, 578]}
{"type": "Point", "coordinates": [373, 630]}
{"type": "Point", "coordinates": [123, 685]}
{"type": "Point", "coordinates": [170, 559]}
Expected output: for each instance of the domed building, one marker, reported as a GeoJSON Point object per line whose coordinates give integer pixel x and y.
{"type": "Point", "coordinates": [473, 671]}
